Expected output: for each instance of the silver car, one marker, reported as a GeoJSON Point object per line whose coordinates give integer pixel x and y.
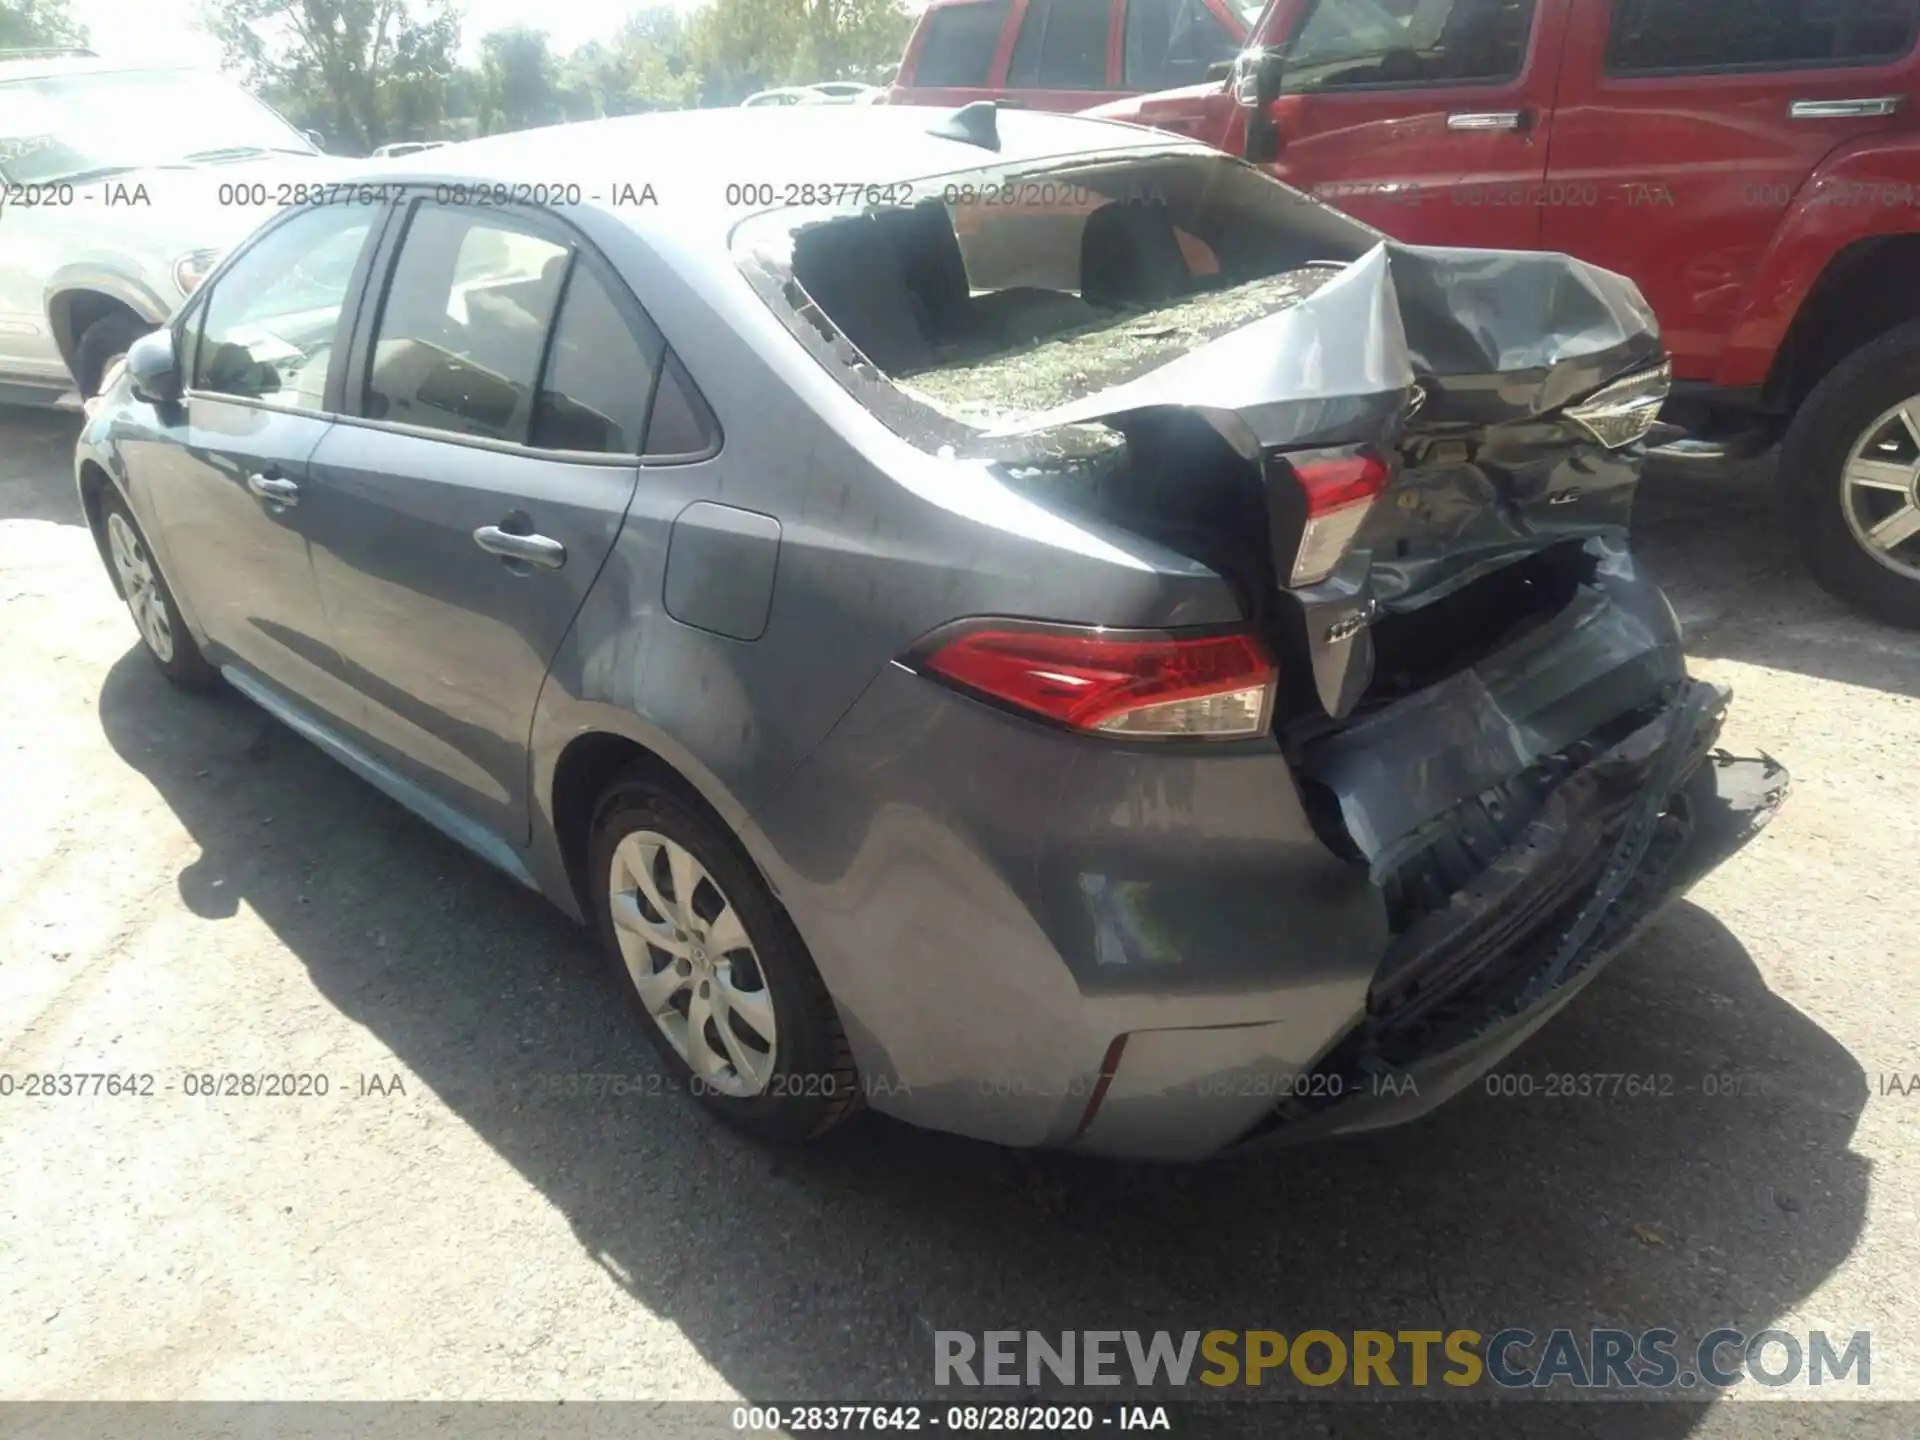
{"type": "Point", "coordinates": [1043, 630]}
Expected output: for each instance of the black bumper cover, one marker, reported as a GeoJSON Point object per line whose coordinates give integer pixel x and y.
{"type": "Point", "coordinates": [1587, 878]}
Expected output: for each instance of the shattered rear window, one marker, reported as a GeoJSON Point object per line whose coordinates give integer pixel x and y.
{"type": "Point", "coordinates": [994, 295]}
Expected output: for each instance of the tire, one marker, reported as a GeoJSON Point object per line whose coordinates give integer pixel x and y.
{"type": "Point", "coordinates": [156, 615]}
{"type": "Point", "coordinates": [1852, 410]}
{"type": "Point", "coordinates": [103, 342]}
{"type": "Point", "coordinates": [800, 1082]}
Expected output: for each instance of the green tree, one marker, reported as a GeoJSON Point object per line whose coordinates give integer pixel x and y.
{"type": "Point", "coordinates": [644, 67]}
{"type": "Point", "coordinates": [520, 79]}
{"type": "Point", "coordinates": [362, 72]}
{"type": "Point", "coordinates": [27, 23]}
{"type": "Point", "coordinates": [739, 46]}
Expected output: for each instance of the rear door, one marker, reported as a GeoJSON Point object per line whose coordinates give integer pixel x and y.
{"type": "Point", "coordinates": [1430, 119]}
{"type": "Point", "coordinates": [1693, 124]}
{"type": "Point", "coordinates": [476, 483]}
{"type": "Point", "coordinates": [956, 55]}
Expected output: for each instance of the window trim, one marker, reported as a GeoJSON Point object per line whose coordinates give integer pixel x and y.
{"type": "Point", "coordinates": [1609, 69]}
{"type": "Point", "coordinates": [1390, 87]}
{"type": "Point", "coordinates": [189, 327]}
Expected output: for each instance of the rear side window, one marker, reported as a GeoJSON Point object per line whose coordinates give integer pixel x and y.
{"type": "Point", "coordinates": [1172, 42]}
{"type": "Point", "coordinates": [682, 427]}
{"type": "Point", "coordinates": [1062, 46]}
{"type": "Point", "coordinates": [465, 324]}
{"type": "Point", "coordinates": [960, 43]}
{"type": "Point", "coordinates": [1404, 44]}
{"type": "Point", "coordinates": [1682, 36]}
{"type": "Point", "coordinates": [599, 373]}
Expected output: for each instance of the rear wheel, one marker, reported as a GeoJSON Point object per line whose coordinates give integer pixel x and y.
{"type": "Point", "coordinates": [722, 983]}
{"type": "Point", "coordinates": [103, 345]}
{"type": "Point", "coordinates": [1852, 467]}
{"type": "Point", "coordinates": [150, 602]}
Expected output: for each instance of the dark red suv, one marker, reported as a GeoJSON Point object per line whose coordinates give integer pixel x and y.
{"type": "Point", "coordinates": [1066, 54]}
{"type": "Point", "coordinates": [1753, 164]}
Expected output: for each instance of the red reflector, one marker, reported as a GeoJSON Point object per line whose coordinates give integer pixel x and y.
{"type": "Point", "coordinates": [1340, 480]}
{"type": "Point", "coordinates": [1087, 677]}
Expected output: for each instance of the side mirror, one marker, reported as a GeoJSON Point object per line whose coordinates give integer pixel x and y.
{"type": "Point", "coordinates": [153, 368]}
{"type": "Point", "coordinates": [317, 140]}
{"type": "Point", "coordinates": [1255, 82]}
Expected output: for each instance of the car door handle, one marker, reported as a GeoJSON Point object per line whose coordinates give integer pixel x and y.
{"type": "Point", "coordinates": [1490, 120]}
{"type": "Point", "coordinates": [1844, 109]}
{"type": "Point", "coordinates": [275, 489]}
{"type": "Point", "coordinates": [533, 549]}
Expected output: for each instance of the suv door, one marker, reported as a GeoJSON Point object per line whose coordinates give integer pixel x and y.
{"type": "Point", "coordinates": [1695, 123]}
{"type": "Point", "coordinates": [264, 348]}
{"type": "Point", "coordinates": [1430, 119]}
{"type": "Point", "coordinates": [495, 415]}
{"type": "Point", "coordinates": [956, 55]}
{"type": "Point", "coordinates": [1169, 43]}
{"type": "Point", "coordinates": [1064, 53]}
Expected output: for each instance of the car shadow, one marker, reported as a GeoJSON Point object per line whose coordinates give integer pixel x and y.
{"type": "Point", "coordinates": [1724, 550]}
{"type": "Point", "coordinates": [36, 465]}
{"type": "Point", "coordinates": [824, 1273]}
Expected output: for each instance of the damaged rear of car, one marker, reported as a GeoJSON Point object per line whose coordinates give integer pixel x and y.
{"type": "Point", "coordinates": [1412, 748]}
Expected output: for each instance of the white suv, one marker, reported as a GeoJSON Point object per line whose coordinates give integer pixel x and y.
{"type": "Point", "coordinates": [120, 186]}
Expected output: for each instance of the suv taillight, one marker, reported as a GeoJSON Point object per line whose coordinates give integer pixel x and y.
{"type": "Point", "coordinates": [1340, 488]}
{"type": "Point", "coordinates": [1160, 685]}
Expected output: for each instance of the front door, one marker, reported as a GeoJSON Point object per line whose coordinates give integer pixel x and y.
{"type": "Point", "coordinates": [474, 489]}
{"type": "Point", "coordinates": [1697, 123]}
{"type": "Point", "coordinates": [1430, 119]}
{"type": "Point", "coordinates": [234, 495]}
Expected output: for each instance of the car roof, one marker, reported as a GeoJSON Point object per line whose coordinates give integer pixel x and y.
{"type": "Point", "coordinates": [41, 67]}
{"type": "Point", "coordinates": [690, 157]}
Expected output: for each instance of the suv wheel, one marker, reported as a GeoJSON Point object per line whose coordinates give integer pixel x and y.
{"type": "Point", "coordinates": [1852, 467]}
{"type": "Point", "coordinates": [722, 982]}
{"type": "Point", "coordinates": [151, 603]}
{"type": "Point", "coordinates": [103, 345]}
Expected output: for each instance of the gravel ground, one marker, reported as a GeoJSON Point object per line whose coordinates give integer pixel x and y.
{"type": "Point", "coordinates": [187, 888]}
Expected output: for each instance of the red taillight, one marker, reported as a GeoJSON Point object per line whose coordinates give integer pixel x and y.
{"type": "Point", "coordinates": [1119, 683]}
{"type": "Point", "coordinates": [1340, 491]}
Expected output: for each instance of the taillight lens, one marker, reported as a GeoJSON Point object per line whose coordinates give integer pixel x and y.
{"type": "Point", "coordinates": [1340, 490]}
{"type": "Point", "coordinates": [1623, 413]}
{"type": "Point", "coordinates": [1126, 684]}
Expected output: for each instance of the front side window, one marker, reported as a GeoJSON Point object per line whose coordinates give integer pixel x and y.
{"type": "Point", "coordinates": [66, 127]}
{"type": "Point", "coordinates": [1062, 45]}
{"type": "Point", "coordinates": [1668, 36]}
{"type": "Point", "coordinates": [1171, 43]}
{"type": "Point", "coordinates": [1404, 44]}
{"type": "Point", "coordinates": [268, 326]}
{"type": "Point", "coordinates": [464, 325]}
{"type": "Point", "coordinates": [959, 45]}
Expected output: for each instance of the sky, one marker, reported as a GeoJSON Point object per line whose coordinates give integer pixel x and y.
{"type": "Point", "coordinates": [164, 31]}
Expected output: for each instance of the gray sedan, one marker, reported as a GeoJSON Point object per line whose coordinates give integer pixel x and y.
{"type": "Point", "coordinates": [1031, 626]}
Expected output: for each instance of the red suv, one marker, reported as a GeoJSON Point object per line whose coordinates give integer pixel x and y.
{"type": "Point", "coordinates": [1066, 54]}
{"type": "Point", "coordinates": [1753, 164]}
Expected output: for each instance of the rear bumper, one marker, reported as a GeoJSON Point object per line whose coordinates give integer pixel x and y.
{"type": "Point", "coordinates": [1037, 940]}
{"type": "Point", "coordinates": [1727, 800]}
{"type": "Point", "coordinates": [1456, 994]}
